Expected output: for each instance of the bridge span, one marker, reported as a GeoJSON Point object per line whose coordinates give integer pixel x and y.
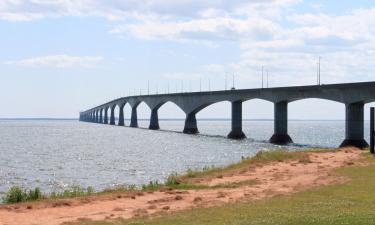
{"type": "Point", "coordinates": [353, 95]}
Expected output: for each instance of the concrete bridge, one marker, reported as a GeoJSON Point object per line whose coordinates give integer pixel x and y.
{"type": "Point", "coordinates": [353, 95]}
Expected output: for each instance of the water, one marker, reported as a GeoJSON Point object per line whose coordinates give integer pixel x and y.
{"type": "Point", "coordinates": [55, 155]}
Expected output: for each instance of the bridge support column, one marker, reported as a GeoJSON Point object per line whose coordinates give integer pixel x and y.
{"type": "Point", "coordinates": [112, 119]}
{"type": "Point", "coordinates": [106, 116]}
{"type": "Point", "coordinates": [96, 117]}
{"type": "Point", "coordinates": [121, 121]}
{"type": "Point", "coordinates": [281, 136]}
{"type": "Point", "coordinates": [236, 132]}
{"type": "Point", "coordinates": [354, 126]}
{"type": "Point", "coordinates": [154, 120]}
{"type": "Point", "coordinates": [134, 119]}
{"type": "Point", "coordinates": [101, 116]}
{"type": "Point", "coordinates": [190, 124]}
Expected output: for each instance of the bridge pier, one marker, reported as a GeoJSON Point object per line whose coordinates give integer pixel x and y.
{"type": "Point", "coordinates": [354, 126]}
{"type": "Point", "coordinates": [121, 121]}
{"type": "Point", "coordinates": [101, 116]}
{"type": "Point", "coordinates": [106, 116]}
{"type": "Point", "coordinates": [154, 120]}
{"type": "Point", "coordinates": [134, 119]}
{"type": "Point", "coordinates": [96, 116]}
{"type": "Point", "coordinates": [112, 119]}
{"type": "Point", "coordinates": [281, 136]}
{"type": "Point", "coordinates": [236, 132]}
{"type": "Point", "coordinates": [190, 124]}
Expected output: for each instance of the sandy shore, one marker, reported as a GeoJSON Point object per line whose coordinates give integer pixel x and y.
{"type": "Point", "coordinates": [255, 182]}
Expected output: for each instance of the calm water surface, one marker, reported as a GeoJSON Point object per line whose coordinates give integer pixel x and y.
{"type": "Point", "coordinates": [55, 155]}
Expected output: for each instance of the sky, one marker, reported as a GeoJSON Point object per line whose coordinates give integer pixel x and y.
{"type": "Point", "coordinates": [60, 57]}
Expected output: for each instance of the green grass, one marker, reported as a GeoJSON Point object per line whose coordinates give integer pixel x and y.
{"type": "Point", "coordinates": [17, 194]}
{"type": "Point", "coordinates": [174, 181]}
{"type": "Point", "coordinates": [349, 203]}
{"type": "Point", "coordinates": [73, 192]}
{"type": "Point", "coordinates": [260, 157]}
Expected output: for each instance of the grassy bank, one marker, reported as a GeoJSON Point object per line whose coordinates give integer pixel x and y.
{"type": "Point", "coordinates": [175, 181]}
{"type": "Point", "coordinates": [349, 203]}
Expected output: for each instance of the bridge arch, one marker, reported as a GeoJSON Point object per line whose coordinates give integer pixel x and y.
{"type": "Point", "coordinates": [214, 115]}
{"type": "Point", "coordinates": [317, 120]}
{"type": "Point", "coordinates": [258, 122]}
{"type": "Point", "coordinates": [143, 112]}
{"type": "Point", "coordinates": [323, 98]}
{"type": "Point", "coordinates": [161, 116]}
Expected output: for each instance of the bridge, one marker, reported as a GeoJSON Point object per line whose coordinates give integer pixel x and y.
{"type": "Point", "coordinates": [353, 95]}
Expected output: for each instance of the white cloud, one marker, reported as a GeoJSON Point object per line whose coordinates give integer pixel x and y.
{"type": "Point", "coordinates": [209, 29]}
{"type": "Point", "coordinates": [268, 32]}
{"type": "Point", "coordinates": [57, 61]}
{"type": "Point", "coordinates": [118, 9]}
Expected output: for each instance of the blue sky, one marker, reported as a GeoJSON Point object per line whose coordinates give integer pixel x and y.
{"type": "Point", "coordinates": [58, 57]}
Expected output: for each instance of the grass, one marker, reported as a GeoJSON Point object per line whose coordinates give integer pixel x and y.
{"type": "Point", "coordinates": [16, 195]}
{"type": "Point", "coordinates": [73, 192]}
{"type": "Point", "coordinates": [349, 203]}
{"type": "Point", "coordinates": [174, 181]}
{"type": "Point", "coordinates": [260, 158]}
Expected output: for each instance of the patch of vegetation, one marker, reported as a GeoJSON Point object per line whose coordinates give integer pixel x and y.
{"type": "Point", "coordinates": [119, 189]}
{"type": "Point", "coordinates": [17, 194]}
{"type": "Point", "coordinates": [260, 157]}
{"type": "Point", "coordinates": [173, 180]}
{"type": "Point", "coordinates": [152, 186]}
{"type": "Point", "coordinates": [73, 192]}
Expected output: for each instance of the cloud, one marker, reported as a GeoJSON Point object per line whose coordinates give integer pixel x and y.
{"type": "Point", "coordinates": [273, 33]}
{"type": "Point", "coordinates": [16, 10]}
{"type": "Point", "coordinates": [210, 29]}
{"type": "Point", "coordinates": [57, 61]}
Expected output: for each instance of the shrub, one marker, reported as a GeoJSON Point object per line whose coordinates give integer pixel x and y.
{"type": "Point", "coordinates": [172, 180]}
{"type": "Point", "coordinates": [34, 195]}
{"type": "Point", "coordinates": [190, 173]}
{"type": "Point", "coordinates": [151, 186]}
{"type": "Point", "coordinates": [17, 194]}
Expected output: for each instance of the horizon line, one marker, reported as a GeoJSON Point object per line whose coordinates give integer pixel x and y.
{"type": "Point", "coordinates": [168, 119]}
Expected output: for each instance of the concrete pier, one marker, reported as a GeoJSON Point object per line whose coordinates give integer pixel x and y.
{"type": "Point", "coordinates": [101, 116]}
{"type": "Point", "coordinates": [281, 136]}
{"type": "Point", "coordinates": [154, 120]}
{"type": "Point", "coordinates": [121, 120]}
{"type": "Point", "coordinates": [236, 132]}
{"type": "Point", "coordinates": [106, 116]}
{"type": "Point", "coordinates": [112, 119]}
{"type": "Point", "coordinates": [190, 124]}
{"type": "Point", "coordinates": [354, 126]}
{"type": "Point", "coordinates": [134, 119]}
